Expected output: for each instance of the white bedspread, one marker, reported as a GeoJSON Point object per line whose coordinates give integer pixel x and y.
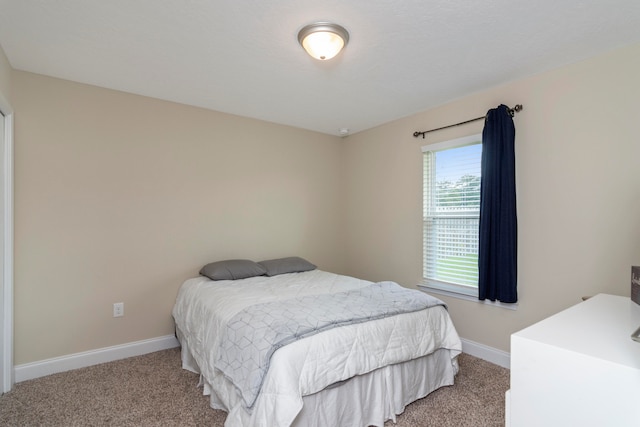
{"type": "Point", "coordinates": [306, 366]}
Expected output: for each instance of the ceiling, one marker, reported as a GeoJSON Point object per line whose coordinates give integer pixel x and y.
{"type": "Point", "coordinates": [243, 57]}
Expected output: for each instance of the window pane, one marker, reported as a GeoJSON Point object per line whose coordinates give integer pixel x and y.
{"type": "Point", "coordinates": [452, 208]}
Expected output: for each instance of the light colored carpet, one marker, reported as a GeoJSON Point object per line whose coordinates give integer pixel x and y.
{"type": "Point", "coordinates": [153, 390]}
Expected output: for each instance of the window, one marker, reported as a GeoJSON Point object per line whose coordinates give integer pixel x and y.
{"type": "Point", "coordinates": [451, 204]}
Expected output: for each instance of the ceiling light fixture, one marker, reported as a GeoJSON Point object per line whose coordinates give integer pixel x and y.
{"type": "Point", "coordinates": [323, 40]}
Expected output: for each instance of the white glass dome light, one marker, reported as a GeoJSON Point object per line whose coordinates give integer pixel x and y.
{"type": "Point", "coordinates": [323, 40]}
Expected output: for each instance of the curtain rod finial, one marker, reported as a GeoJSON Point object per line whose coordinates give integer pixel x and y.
{"type": "Point", "coordinates": [514, 110]}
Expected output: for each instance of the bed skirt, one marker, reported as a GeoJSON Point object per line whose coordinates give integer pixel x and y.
{"type": "Point", "coordinates": [372, 399]}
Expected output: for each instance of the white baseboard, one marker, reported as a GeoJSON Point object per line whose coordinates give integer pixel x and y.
{"type": "Point", "coordinates": [490, 354]}
{"type": "Point", "coordinates": [42, 368]}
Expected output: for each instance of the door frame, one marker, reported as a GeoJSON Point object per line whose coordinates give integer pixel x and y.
{"type": "Point", "coordinates": [6, 285]}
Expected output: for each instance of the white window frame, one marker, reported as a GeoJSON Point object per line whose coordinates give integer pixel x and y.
{"type": "Point", "coordinates": [451, 289]}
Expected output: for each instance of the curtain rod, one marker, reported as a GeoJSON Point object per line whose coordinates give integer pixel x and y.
{"type": "Point", "coordinates": [512, 111]}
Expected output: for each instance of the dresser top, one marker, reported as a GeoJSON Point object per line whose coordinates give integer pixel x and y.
{"type": "Point", "coordinates": [598, 327]}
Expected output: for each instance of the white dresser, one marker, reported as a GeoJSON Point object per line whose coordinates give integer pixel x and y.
{"type": "Point", "coordinates": [579, 367]}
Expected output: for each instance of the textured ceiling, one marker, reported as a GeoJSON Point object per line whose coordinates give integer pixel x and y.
{"type": "Point", "coordinates": [242, 57]}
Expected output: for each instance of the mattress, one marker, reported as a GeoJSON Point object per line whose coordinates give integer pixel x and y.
{"type": "Point", "coordinates": [305, 372]}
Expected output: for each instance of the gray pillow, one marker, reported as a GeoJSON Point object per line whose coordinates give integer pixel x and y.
{"type": "Point", "coordinates": [292, 264]}
{"type": "Point", "coordinates": [232, 269]}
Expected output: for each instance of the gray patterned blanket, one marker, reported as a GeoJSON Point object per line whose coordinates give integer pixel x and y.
{"type": "Point", "coordinates": [256, 332]}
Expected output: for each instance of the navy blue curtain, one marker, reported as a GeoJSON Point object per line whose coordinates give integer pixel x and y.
{"type": "Point", "coordinates": [498, 234]}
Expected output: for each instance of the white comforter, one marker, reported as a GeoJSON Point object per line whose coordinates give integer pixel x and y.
{"type": "Point", "coordinates": [306, 366]}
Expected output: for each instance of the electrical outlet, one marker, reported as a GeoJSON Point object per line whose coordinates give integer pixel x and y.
{"type": "Point", "coordinates": [118, 309]}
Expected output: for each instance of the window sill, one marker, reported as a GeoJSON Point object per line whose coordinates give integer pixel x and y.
{"type": "Point", "coordinates": [431, 290]}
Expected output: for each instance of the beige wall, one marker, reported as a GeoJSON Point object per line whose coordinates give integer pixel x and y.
{"type": "Point", "coordinates": [578, 184]}
{"type": "Point", "coordinates": [5, 76]}
{"type": "Point", "coordinates": [121, 198]}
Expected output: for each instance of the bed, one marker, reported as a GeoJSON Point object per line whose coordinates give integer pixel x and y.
{"type": "Point", "coordinates": [358, 369]}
